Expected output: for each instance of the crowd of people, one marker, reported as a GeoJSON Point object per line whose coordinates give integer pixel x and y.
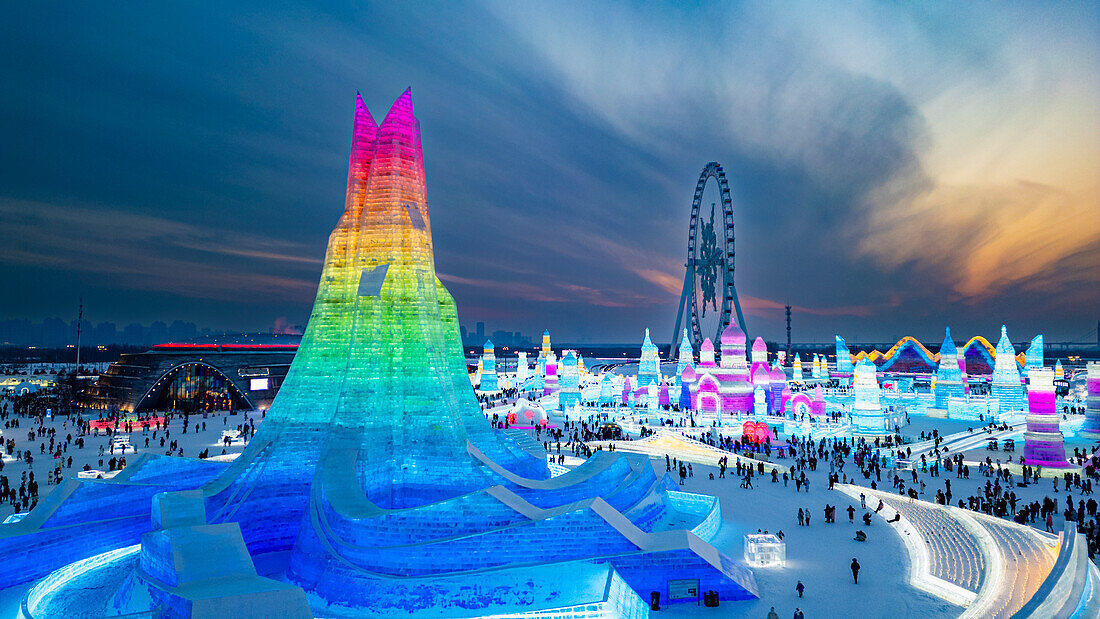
{"type": "Point", "coordinates": [30, 436]}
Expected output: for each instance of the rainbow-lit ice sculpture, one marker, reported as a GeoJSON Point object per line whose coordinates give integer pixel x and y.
{"type": "Point", "coordinates": [1006, 385]}
{"type": "Point", "coordinates": [1091, 429]}
{"type": "Point", "coordinates": [796, 374]}
{"type": "Point", "coordinates": [1043, 442]}
{"type": "Point", "coordinates": [375, 486]}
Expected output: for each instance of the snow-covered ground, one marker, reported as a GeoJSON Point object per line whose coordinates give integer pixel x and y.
{"type": "Point", "coordinates": [818, 555]}
{"type": "Point", "coordinates": [192, 443]}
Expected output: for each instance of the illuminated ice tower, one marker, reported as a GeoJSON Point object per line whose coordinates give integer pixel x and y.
{"type": "Point", "coordinates": [815, 369]}
{"type": "Point", "coordinates": [1033, 358]}
{"type": "Point", "coordinates": [569, 392]}
{"type": "Point", "coordinates": [1006, 386]}
{"type": "Point", "coordinates": [948, 376]}
{"type": "Point", "coordinates": [733, 373]}
{"type": "Point", "coordinates": [686, 355]}
{"type": "Point", "coordinates": [375, 485]}
{"type": "Point", "coordinates": [1091, 429]}
{"type": "Point", "coordinates": [649, 365]}
{"type": "Point", "coordinates": [1043, 442]}
{"type": "Point", "coordinates": [550, 384]}
{"type": "Point", "coordinates": [868, 418]}
{"type": "Point", "coordinates": [796, 376]}
{"type": "Point", "coordinates": [489, 368]}
{"type": "Point", "coordinates": [843, 358]}
{"type": "Point", "coordinates": [544, 352]}
{"type": "Point", "coordinates": [521, 370]}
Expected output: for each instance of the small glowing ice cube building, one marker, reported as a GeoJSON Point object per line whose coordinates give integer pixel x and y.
{"type": "Point", "coordinates": [765, 550]}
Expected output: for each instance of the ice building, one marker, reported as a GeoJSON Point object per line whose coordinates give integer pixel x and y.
{"type": "Point", "coordinates": [949, 380]}
{"type": "Point", "coordinates": [687, 383]}
{"type": "Point", "coordinates": [818, 405]}
{"type": "Point", "coordinates": [733, 372]}
{"type": "Point", "coordinates": [607, 389]}
{"type": "Point", "coordinates": [686, 355]}
{"type": "Point", "coordinates": [550, 382]}
{"type": "Point", "coordinates": [815, 369]}
{"type": "Point", "coordinates": [1006, 385]}
{"type": "Point", "coordinates": [1059, 371]}
{"type": "Point", "coordinates": [761, 387]}
{"type": "Point", "coordinates": [1043, 442]}
{"type": "Point", "coordinates": [796, 375]}
{"type": "Point", "coordinates": [777, 388]}
{"type": "Point", "coordinates": [1033, 358]}
{"type": "Point", "coordinates": [544, 352]}
{"type": "Point", "coordinates": [375, 485]}
{"type": "Point", "coordinates": [1091, 429]}
{"type": "Point", "coordinates": [489, 368]}
{"type": "Point", "coordinates": [522, 371]}
{"type": "Point", "coordinates": [649, 365]}
{"type": "Point", "coordinates": [569, 384]}
{"type": "Point", "coordinates": [662, 395]}
{"type": "Point", "coordinates": [844, 365]}
{"type": "Point", "coordinates": [758, 354]}
{"type": "Point", "coordinates": [868, 418]}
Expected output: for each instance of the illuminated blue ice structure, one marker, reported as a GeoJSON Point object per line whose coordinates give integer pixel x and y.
{"type": "Point", "coordinates": [649, 365]}
{"type": "Point", "coordinates": [844, 368]}
{"type": "Point", "coordinates": [868, 417]}
{"type": "Point", "coordinates": [609, 393]}
{"type": "Point", "coordinates": [569, 385]}
{"type": "Point", "coordinates": [375, 485]}
{"type": "Point", "coordinates": [1006, 386]}
{"type": "Point", "coordinates": [1033, 358]}
{"type": "Point", "coordinates": [949, 380]}
{"type": "Point", "coordinates": [685, 357]}
{"type": "Point", "coordinates": [488, 369]}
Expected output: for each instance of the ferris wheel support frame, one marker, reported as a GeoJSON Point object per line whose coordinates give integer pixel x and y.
{"type": "Point", "coordinates": [686, 311]}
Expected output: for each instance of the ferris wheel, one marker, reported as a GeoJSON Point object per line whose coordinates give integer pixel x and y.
{"type": "Point", "coordinates": [709, 298]}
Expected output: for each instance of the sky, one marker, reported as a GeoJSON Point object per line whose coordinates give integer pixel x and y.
{"type": "Point", "coordinates": [894, 167]}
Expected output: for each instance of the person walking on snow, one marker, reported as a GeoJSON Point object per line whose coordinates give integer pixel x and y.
{"type": "Point", "coordinates": [855, 571]}
{"type": "Point", "coordinates": [772, 614]}
{"type": "Point", "coordinates": [800, 588]}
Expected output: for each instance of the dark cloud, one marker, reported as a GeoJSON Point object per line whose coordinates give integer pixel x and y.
{"type": "Point", "coordinates": [171, 163]}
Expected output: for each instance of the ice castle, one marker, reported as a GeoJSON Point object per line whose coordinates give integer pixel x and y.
{"type": "Point", "coordinates": [649, 366]}
{"type": "Point", "coordinates": [868, 418]}
{"type": "Point", "coordinates": [569, 385]}
{"type": "Point", "coordinates": [375, 485]}
{"type": "Point", "coordinates": [1006, 385]}
{"type": "Point", "coordinates": [949, 379]}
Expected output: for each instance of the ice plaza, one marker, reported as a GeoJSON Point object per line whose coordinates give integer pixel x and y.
{"type": "Point", "coordinates": [387, 480]}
